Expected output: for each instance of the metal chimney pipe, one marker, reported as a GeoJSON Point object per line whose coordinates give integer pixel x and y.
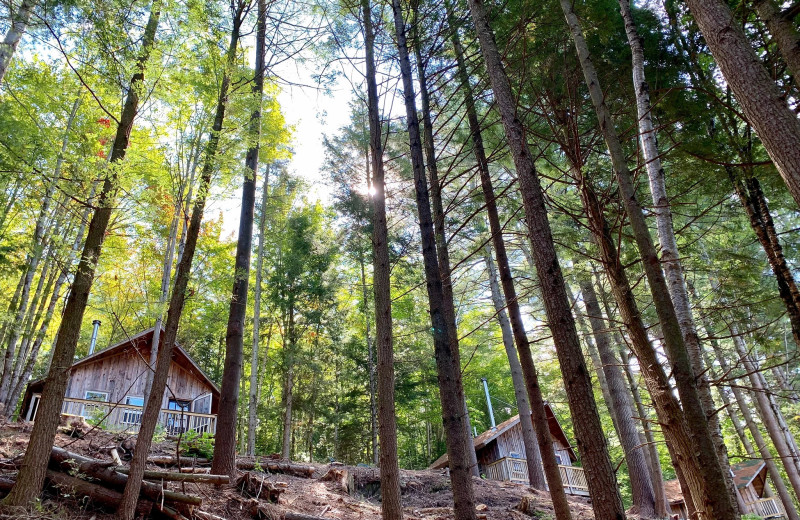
{"type": "Point", "coordinates": [92, 344]}
{"type": "Point", "coordinates": [489, 402]}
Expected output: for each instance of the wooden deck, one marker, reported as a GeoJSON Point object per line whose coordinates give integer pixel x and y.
{"type": "Point", "coordinates": [767, 508]}
{"type": "Point", "coordinates": [516, 470]}
{"type": "Point", "coordinates": [127, 418]}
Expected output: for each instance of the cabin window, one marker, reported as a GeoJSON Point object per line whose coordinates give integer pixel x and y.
{"type": "Point", "coordinates": [89, 411]}
{"type": "Point", "coordinates": [92, 395]}
{"type": "Point", "coordinates": [133, 416]}
{"type": "Point", "coordinates": [182, 405]}
{"type": "Point", "coordinates": [176, 422]}
{"type": "Point", "coordinates": [202, 404]}
{"type": "Point", "coordinates": [559, 461]}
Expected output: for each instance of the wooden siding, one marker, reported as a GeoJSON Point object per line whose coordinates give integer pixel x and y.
{"type": "Point", "coordinates": [510, 441]}
{"type": "Point", "coordinates": [124, 374]}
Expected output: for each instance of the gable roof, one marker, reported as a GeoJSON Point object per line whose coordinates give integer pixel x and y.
{"type": "Point", "coordinates": [143, 339]}
{"type": "Point", "coordinates": [753, 471]}
{"type": "Point", "coordinates": [491, 434]}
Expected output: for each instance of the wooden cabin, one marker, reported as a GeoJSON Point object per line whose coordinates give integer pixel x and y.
{"type": "Point", "coordinates": [750, 478]}
{"type": "Point", "coordinates": [107, 388]}
{"type": "Point", "coordinates": [501, 455]}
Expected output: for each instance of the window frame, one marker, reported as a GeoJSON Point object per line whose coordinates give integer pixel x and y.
{"type": "Point", "coordinates": [87, 398]}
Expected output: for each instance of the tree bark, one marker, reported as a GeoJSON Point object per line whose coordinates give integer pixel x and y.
{"type": "Point", "coordinates": [763, 448]}
{"type": "Point", "coordinates": [646, 437]}
{"type": "Point", "coordinates": [670, 255]}
{"type": "Point", "coordinates": [224, 462]}
{"type": "Point", "coordinates": [606, 501]}
{"type": "Point", "coordinates": [760, 99]}
{"type": "Point", "coordinates": [438, 221]}
{"type": "Point", "coordinates": [672, 419]}
{"type": "Point", "coordinates": [34, 465]}
{"type": "Point", "coordinates": [532, 454]}
{"type": "Point", "coordinates": [786, 451]}
{"type": "Point", "coordinates": [718, 502]}
{"type": "Point", "coordinates": [641, 483]}
{"type": "Point", "coordinates": [449, 372]}
{"type": "Point", "coordinates": [152, 406]}
{"type": "Point", "coordinates": [19, 24]}
{"type": "Point", "coordinates": [288, 385]}
{"type": "Point", "coordinates": [373, 410]}
{"type": "Point", "coordinates": [252, 417]}
{"type": "Point", "coordinates": [31, 266]}
{"type": "Point", "coordinates": [784, 34]}
{"type": "Point", "coordinates": [391, 507]}
{"type": "Point", "coordinates": [757, 209]}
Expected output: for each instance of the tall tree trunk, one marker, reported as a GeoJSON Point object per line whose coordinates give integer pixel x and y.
{"type": "Point", "coordinates": [784, 34]}
{"type": "Point", "coordinates": [163, 294]}
{"type": "Point", "coordinates": [391, 507]}
{"type": "Point", "coordinates": [755, 204]}
{"type": "Point", "coordinates": [450, 387]}
{"type": "Point", "coordinates": [8, 320]}
{"type": "Point", "coordinates": [152, 406]}
{"type": "Point", "coordinates": [533, 455]}
{"type": "Point", "coordinates": [224, 462]}
{"type": "Point", "coordinates": [43, 289]}
{"type": "Point", "coordinates": [34, 466]}
{"type": "Point", "coordinates": [786, 449]}
{"type": "Point", "coordinates": [672, 419]}
{"type": "Point", "coordinates": [31, 267]}
{"type": "Point", "coordinates": [19, 24]}
{"type": "Point", "coordinates": [288, 386]}
{"type": "Point", "coordinates": [758, 438]}
{"type": "Point", "coordinates": [18, 376]}
{"type": "Point", "coordinates": [438, 220]}
{"type": "Point", "coordinates": [373, 410]}
{"type": "Point", "coordinates": [606, 501]}
{"type": "Point", "coordinates": [646, 437]}
{"type": "Point", "coordinates": [252, 417]}
{"type": "Point", "coordinates": [718, 502]}
{"type": "Point", "coordinates": [760, 99]}
{"type": "Point", "coordinates": [670, 255]}
{"type": "Point", "coordinates": [641, 483]}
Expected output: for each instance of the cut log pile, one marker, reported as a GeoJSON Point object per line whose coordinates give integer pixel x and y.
{"type": "Point", "coordinates": [101, 482]}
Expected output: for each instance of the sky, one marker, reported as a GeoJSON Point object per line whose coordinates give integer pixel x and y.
{"type": "Point", "coordinates": [313, 113]}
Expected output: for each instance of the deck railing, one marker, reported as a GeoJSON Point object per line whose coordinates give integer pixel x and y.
{"type": "Point", "coordinates": [128, 418]}
{"type": "Point", "coordinates": [769, 507]}
{"type": "Point", "coordinates": [516, 470]}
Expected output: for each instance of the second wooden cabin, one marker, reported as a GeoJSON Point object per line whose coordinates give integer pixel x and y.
{"type": "Point", "coordinates": [501, 454]}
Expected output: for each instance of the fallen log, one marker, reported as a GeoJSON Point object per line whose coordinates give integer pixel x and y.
{"type": "Point", "coordinates": [64, 460]}
{"type": "Point", "coordinates": [169, 460]}
{"type": "Point", "coordinates": [205, 515]}
{"type": "Point", "coordinates": [181, 477]}
{"type": "Point", "coordinates": [169, 512]}
{"type": "Point", "coordinates": [274, 466]}
{"type": "Point", "coordinates": [74, 486]}
{"type": "Point", "coordinates": [205, 471]}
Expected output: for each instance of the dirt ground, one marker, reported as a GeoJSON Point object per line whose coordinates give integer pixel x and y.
{"type": "Point", "coordinates": [426, 494]}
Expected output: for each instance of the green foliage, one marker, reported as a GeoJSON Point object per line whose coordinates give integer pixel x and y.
{"type": "Point", "coordinates": [197, 444]}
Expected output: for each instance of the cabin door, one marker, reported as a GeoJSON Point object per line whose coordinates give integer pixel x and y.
{"type": "Point", "coordinates": [202, 405]}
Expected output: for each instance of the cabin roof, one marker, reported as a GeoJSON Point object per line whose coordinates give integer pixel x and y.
{"type": "Point", "coordinates": [745, 473]}
{"type": "Point", "coordinates": [491, 434]}
{"type": "Point", "coordinates": [179, 356]}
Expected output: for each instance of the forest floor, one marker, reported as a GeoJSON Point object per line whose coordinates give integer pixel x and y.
{"type": "Point", "coordinates": [326, 494]}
